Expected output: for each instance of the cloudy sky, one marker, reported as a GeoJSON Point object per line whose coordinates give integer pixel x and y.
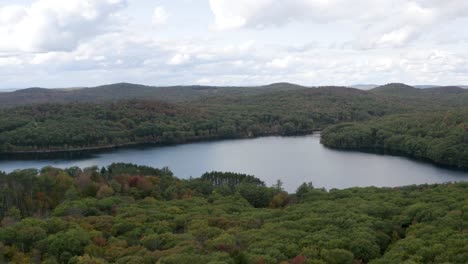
{"type": "Point", "coordinates": [57, 43]}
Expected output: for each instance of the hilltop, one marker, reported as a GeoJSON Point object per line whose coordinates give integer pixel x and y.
{"type": "Point", "coordinates": [177, 94]}
{"type": "Point", "coordinates": [396, 89]}
{"type": "Point", "coordinates": [120, 91]}
{"type": "Point", "coordinates": [401, 89]}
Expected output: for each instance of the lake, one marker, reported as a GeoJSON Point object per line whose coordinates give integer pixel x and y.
{"type": "Point", "coordinates": [293, 160]}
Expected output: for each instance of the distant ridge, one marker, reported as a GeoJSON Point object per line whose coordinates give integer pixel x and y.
{"type": "Point", "coordinates": [174, 94]}
{"type": "Point", "coordinates": [122, 91]}
{"type": "Point", "coordinates": [402, 90]}
{"type": "Point", "coordinates": [437, 86]}
{"type": "Point", "coordinates": [446, 90]}
{"type": "Point", "coordinates": [282, 86]}
{"type": "Point", "coordinates": [396, 89]}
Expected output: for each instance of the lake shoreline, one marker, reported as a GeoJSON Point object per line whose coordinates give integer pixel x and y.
{"type": "Point", "coordinates": [90, 151]}
{"type": "Point", "coordinates": [394, 153]}
{"type": "Point", "coordinates": [293, 160]}
{"type": "Point", "coordinates": [105, 148]}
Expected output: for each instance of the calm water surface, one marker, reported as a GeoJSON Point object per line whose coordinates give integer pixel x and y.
{"type": "Point", "coordinates": [294, 160]}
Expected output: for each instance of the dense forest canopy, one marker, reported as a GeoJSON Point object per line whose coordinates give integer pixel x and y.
{"type": "Point", "coordinates": [176, 94]}
{"type": "Point", "coordinates": [447, 96]}
{"type": "Point", "coordinates": [128, 91]}
{"type": "Point", "coordinates": [206, 113]}
{"type": "Point", "coordinates": [280, 109]}
{"type": "Point", "coordinates": [134, 214]}
{"type": "Point", "coordinates": [47, 127]}
{"type": "Point", "coordinates": [441, 137]}
{"type": "Point", "coordinates": [126, 213]}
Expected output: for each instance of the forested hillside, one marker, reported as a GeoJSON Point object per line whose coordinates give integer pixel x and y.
{"type": "Point", "coordinates": [441, 137]}
{"type": "Point", "coordinates": [133, 214]}
{"type": "Point", "coordinates": [397, 89]}
{"type": "Point", "coordinates": [49, 127]}
{"type": "Point", "coordinates": [447, 96]}
{"type": "Point", "coordinates": [176, 94]}
{"type": "Point", "coordinates": [188, 114]}
{"type": "Point", "coordinates": [127, 91]}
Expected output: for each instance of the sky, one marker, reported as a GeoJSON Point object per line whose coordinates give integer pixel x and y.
{"type": "Point", "coordinates": [77, 43]}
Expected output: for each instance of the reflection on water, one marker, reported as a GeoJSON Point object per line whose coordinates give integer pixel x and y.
{"type": "Point", "coordinates": [292, 159]}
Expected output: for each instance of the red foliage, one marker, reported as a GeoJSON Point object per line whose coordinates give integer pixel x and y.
{"type": "Point", "coordinates": [299, 259]}
{"type": "Point", "coordinates": [99, 241]}
{"type": "Point", "coordinates": [260, 260]}
{"type": "Point", "coordinates": [122, 179]}
{"type": "Point", "coordinates": [140, 182]}
{"type": "Point", "coordinates": [133, 181]}
{"type": "Point", "coordinates": [114, 210]}
{"type": "Point", "coordinates": [40, 196]}
{"type": "Point", "coordinates": [223, 247]}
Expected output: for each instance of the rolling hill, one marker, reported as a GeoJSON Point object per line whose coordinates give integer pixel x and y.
{"type": "Point", "coordinates": [446, 90]}
{"type": "Point", "coordinates": [396, 89]}
{"type": "Point", "coordinates": [446, 96]}
{"type": "Point", "coordinates": [121, 91]}
{"type": "Point", "coordinates": [177, 94]}
{"type": "Point", "coordinates": [400, 89]}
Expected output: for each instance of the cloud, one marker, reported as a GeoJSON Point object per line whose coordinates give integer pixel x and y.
{"type": "Point", "coordinates": [312, 42]}
{"type": "Point", "coordinates": [56, 25]}
{"type": "Point", "coordinates": [7, 61]}
{"type": "Point", "coordinates": [382, 23]}
{"type": "Point", "coordinates": [266, 13]}
{"type": "Point", "coordinates": [113, 58]}
{"type": "Point", "coordinates": [281, 63]}
{"type": "Point", "coordinates": [179, 59]}
{"type": "Point", "coordinates": [204, 81]}
{"type": "Point", "coordinates": [160, 16]}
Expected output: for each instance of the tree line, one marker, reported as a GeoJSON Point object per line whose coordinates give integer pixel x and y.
{"type": "Point", "coordinates": [52, 127]}
{"type": "Point", "coordinates": [126, 213]}
{"type": "Point", "coordinates": [440, 136]}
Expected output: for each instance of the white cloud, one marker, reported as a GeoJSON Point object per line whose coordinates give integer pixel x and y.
{"type": "Point", "coordinates": [49, 57]}
{"type": "Point", "coordinates": [264, 13]}
{"type": "Point", "coordinates": [160, 16]}
{"type": "Point", "coordinates": [7, 61]}
{"type": "Point", "coordinates": [312, 42]}
{"type": "Point", "coordinates": [281, 63]}
{"type": "Point", "coordinates": [383, 23]}
{"type": "Point", "coordinates": [179, 59]}
{"type": "Point", "coordinates": [56, 25]}
{"type": "Point", "coordinates": [397, 37]}
{"type": "Point", "coordinates": [204, 81]}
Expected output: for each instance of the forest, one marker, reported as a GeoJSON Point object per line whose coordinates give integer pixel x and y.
{"type": "Point", "coordinates": [126, 213]}
{"type": "Point", "coordinates": [59, 126]}
{"type": "Point", "coordinates": [441, 137]}
{"type": "Point", "coordinates": [429, 124]}
{"type": "Point", "coordinates": [128, 91]}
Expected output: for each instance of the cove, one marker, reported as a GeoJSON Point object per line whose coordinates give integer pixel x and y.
{"type": "Point", "coordinates": [293, 160]}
